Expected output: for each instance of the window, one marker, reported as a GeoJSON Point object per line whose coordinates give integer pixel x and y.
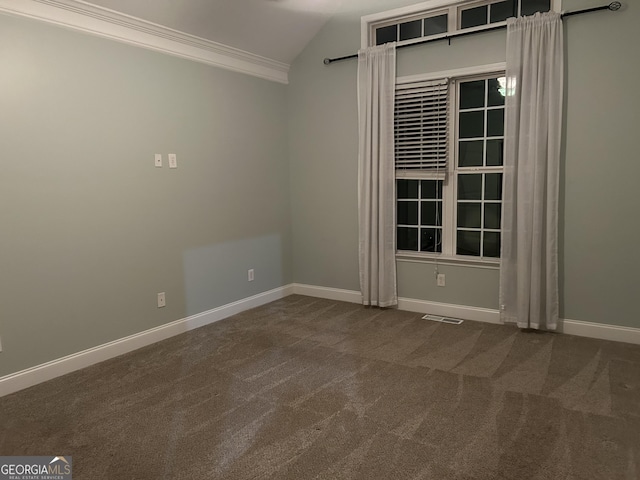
{"type": "Point", "coordinates": [479, 166]}
{"type": "Point", "coordinates": [412, 28]}
{"type": "Point", "coordinates": [449, 200]}
{"type": "Point", "coordinates": [415, 23]}
{"type": "Point", "coordinates": [419, 215]}
{"type": "Point", "coordinates": [485, 13]}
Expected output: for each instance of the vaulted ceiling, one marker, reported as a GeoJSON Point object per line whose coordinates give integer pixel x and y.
{"type": "Point", "coordinates": [275, 29]}
{"type": "Point", "coordinates": [255, 37]}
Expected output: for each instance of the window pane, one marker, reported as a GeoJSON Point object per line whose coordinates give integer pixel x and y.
{"type": "Point", "coordinates": [491, 244]}
{"type": "Point", "coordinates": [407, 238]}
{"type": "Point", "coordinates": [431, 189]}
{"type": "Point", "coordinates": [472, 17]}
{"type": "Point", "coordinates": [493, 186]}
{"type": "Point", "coordinates": [492, 215]}
{"type": "Point", "coordinates": [471, 124]}
{"type": "Point", "coordinates": [407, 189]}
{"type": "Point", "coordinates": [435, 25]}
{"type": "Point", "coordinates": [495, 123]}
{"type": "Point", "coordinates": [472, 94]}
{"type": "Point", "coordinates": [469, 215]}
{"type": "Point", "coordinates": [431, 239]}
{"type": "Point", "coordinates": [470, 153]}
{"type": "Point", "coordinates": [470, 187]}
{"type": "Point", "coordinates": [386, 34]}
{"type": "Point", "coordinates": [529, 7]}
{"type": "Point", "coordinates": [431, 214]}
{"type": "Point", "coordinates": [496, 98]}
{"type": "Point", "coordinates": [407, 213]}
{"type": "Point", "coordinates": [468, 243]}
{"type": "Point", "coordinates": [495, 153]}
{"type": "Point", "coordinates": [500, 11]}
{"type": "Point", "coordinates": [409, 30]}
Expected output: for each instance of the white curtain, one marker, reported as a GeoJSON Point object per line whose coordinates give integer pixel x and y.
{"type": "Point", "coordinates": [376, 175]}
{"type": "Point", "coordinates": [529, 265]}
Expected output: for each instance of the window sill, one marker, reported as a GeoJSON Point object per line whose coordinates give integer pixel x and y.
{"type": "Point", "coordinates": [415, 257]}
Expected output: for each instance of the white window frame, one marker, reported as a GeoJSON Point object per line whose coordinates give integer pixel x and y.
{"type": "Point", "coordinates": [369, 23]}
{"type": "Point", "coordinates": [449, 191]}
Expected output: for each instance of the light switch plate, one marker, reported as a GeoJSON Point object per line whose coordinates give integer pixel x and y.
{"type": "Point", "coordinates": [173, 160]}
{"type": "Point", "coordinates": [158, 160]}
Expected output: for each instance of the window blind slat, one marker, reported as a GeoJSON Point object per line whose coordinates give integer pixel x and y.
{"type": "Point", "coordinates": [422, 125]}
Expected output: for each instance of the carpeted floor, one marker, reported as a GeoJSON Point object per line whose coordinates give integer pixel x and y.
{"type": "Point", "coordinates": [305, 388]}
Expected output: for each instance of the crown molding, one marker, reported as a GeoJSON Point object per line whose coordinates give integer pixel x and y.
{"type": "Point", "coordinates": [84, 17]}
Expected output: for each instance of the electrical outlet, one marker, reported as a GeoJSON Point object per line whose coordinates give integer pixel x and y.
{"type": "Point", "coordinates": [173, 160]}
{"type": "Point", "coordinates": [158, 160]}
{"type": "Point", "coordinates": [162, 301]}
{"type": "Point", "coordinates": [250, 275]}
{"type": "Point", "coordinates": [440, 280]}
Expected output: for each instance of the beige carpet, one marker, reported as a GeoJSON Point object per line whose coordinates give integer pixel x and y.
{"type": "Point", "coordinates": [305, 388]}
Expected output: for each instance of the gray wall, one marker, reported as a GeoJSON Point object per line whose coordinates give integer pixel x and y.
{"type": "Point", "coordinates": [91, 231]}
{"type": "Point", "coordinates": [599, 228]}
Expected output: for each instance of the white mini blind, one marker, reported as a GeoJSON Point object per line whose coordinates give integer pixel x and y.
{"type": "Point", "coordinates": [422, 126]}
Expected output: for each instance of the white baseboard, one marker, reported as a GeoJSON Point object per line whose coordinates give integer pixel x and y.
{"type": "Point", "coordinates": [62, 366]}
{"type": "Point", "coordinates": [328, 293]}
{"type": "Point", "coordinates": [408, 304]}
{"type": "Point", "coordinates": [571, 327]}
{"type": "Point", "coordinates": [47, 371]}
{"type": "Point", "coordinates": [600, 330]}
{"type": "Point", "coordinates": [464, 312]}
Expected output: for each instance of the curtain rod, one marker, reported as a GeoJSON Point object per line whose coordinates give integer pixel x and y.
{"type": "Point", "coordinates": [613, 6]}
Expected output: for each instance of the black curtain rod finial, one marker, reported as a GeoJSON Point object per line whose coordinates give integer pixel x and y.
{"type": "Point", "coordinates": [327, 61]}
{"type": "Point", "coordinates": [613, 6]}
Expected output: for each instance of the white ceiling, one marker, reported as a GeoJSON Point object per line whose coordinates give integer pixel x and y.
{"type": "Point", "coordinates": [275, 29]}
